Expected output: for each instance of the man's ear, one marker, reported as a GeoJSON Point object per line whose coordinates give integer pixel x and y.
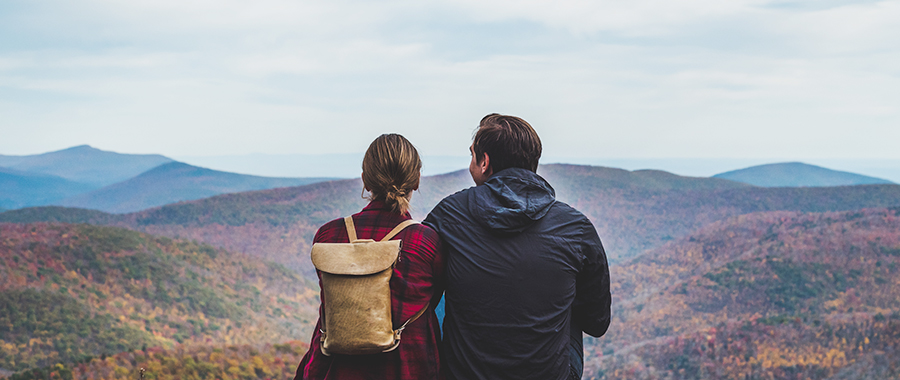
{"type": "Point", "coordinates": [485, 166]}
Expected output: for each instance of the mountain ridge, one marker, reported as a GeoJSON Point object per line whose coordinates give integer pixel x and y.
{"type": "Point", "coordinates": [86, 164]}
{"type": "Point", "coordinates": [797, 174]}
{"type": "Point", "coordinates": [279, 224]}
{"type": "Point", "coordinates": [174, 182]}
{"type": "Point", "coordinates": [26, 189]}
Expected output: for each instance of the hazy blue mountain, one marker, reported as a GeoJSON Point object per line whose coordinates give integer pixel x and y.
{"type": "Point", "coordinates": [86, 164]}
{"type": "Point", "coordinates": [174, 182]}
{"type": "Point", "coordinates": [346, 165]}
{"type": "Point", "coordinates": [24, 189]}
{"type": "Point", "coordinates": [338, 165]}
{"type": "Point", "coordinates": [797, 174]}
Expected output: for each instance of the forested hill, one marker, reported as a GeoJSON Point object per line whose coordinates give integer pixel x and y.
{"type": "Point", "coordinates": [734, 282]}
{"type": "Point", "coordinates": [632, 211]}
{"type": "Point", "coordinates": [764, 295]}
{"type": "Point", "coordinates": [279, 223]}
{"type": "Point", "coordinates": [72, 292]}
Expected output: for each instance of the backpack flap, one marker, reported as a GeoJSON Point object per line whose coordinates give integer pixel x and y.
{"type": "Point", "coordinates": [362, 257]}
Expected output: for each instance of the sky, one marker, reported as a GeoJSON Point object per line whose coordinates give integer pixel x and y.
{"type": "Point", "coordinates": [749, 80]}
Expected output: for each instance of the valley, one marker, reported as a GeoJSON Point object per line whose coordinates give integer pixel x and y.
{"type": "Point", "coordinates": [711, 279]}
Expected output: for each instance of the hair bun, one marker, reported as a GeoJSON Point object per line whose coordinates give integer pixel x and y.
{"type": "Point", "coordinates": [395, 192]}
{"type": "Point", "coordinates": [391, 170]}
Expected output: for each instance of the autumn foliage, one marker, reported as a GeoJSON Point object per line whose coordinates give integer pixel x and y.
{"type": "Point", "coordinates": [711, 280]}
{"type": "Point", "coordinates": [69, 293]}
{"type": "Point", "coordinates": [778, 295]}
{"type": "Point", "coordinates": [192, 362]}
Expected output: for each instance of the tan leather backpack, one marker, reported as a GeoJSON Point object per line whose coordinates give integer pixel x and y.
{"type": "Point", "coordinates": [356, 293]}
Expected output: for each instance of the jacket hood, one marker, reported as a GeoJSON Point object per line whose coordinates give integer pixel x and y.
{"type": "Point", "coordinates": [511, 200]}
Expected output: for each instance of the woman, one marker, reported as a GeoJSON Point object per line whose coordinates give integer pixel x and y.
{"type": "Point", "coordinates": [391, 169]}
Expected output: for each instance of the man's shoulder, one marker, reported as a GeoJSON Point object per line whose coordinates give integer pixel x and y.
{"type": "Point", "coordinates": [461, 195]}
{"type": "Point", "coordinates": [455, 201]}
{"type": "Point", "coordinates": [453, 209]}
{"type": "Point", "coordinates": [565, 211]}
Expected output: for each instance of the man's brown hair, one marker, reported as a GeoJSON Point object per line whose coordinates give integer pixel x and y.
{"type": "Point", "coordinates": [509, 141]}
{"type": "Point", "coordinates": [391, 170]}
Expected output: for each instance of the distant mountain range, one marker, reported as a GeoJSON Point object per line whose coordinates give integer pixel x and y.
{"type": "Point", "coordinates": [87, 177]}
{"type": "Point", "coordinates": [346, 165]}
{"type": "Point", "coordinates": [633, 211]}
{"type": "Point", "coordinates": [90, 178]}
{"type": "Point", "coordinates": [174, 182]}
{"type": "Point", "coordinates": [85, 164]}
{"type": "Point", "coordinates": [797, 174]}
{"type": "Point", "coordinates": [25, 189]}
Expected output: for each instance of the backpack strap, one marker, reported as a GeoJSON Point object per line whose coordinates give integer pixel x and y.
{"type": "Point", "coordinates": [411, 320]}
{"type": "Point", "coordinates": [399, 331]}
{"type": "Point", "coordinates": [398, 229]}
{"type": "Point", "coordinates": [351, 229]}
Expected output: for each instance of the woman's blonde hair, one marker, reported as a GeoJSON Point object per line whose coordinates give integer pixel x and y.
{"type": "Point", "coordinates": [391, 170]}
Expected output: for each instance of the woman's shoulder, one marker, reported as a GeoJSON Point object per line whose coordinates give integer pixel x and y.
{"type": "Point", "coordinates": [422, 230]}
{"type": "Point", "coordinates": [331, 231]}
{"type": "Point", "coordinates": [419, 237]}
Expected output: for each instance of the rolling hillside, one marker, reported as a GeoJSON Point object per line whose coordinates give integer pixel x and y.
{"type": "Point", "coordinates": [632, 211]}
{"type": "Point", "coordinates": [174, 182]}
{"type": "Point", "coordinates": [280, 223]}
{"type": "Point", "coordinates": [765, 295]}
{"type": "Point", "coordinates": [85, 164]}
{"type": "Point", "coordinates": [69, 293]}
{"type": "Point", "coordinates": [778, 295]}
{"type": "Point", "coordinates": [58, 214]}
{"type": "Point", "coordinates": [23, 189]}
{"type": "Point", "coordinates": [734, 282]}
{"type": "Point", "coordinates": [797, 174]}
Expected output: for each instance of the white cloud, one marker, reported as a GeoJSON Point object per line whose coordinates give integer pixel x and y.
{"type": "Point", "coordinates": [631, 18]}
{"type": "Point", "coordinates": [324, 58]}
{"type": "Point", "coordinates": [681, 78]}
{"type": "Point", "coordinates": [849, 29]}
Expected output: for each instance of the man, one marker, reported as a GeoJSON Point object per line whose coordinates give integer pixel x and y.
{"type": "Point", "coordinates": [525, 274]}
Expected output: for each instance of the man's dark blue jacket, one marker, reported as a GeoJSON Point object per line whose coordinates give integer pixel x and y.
{"type": "Point", "coordinates": [524, 273]}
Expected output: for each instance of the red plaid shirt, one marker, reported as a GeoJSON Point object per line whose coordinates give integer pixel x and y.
{"type": "Point", "coordinates": [417, 280]}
